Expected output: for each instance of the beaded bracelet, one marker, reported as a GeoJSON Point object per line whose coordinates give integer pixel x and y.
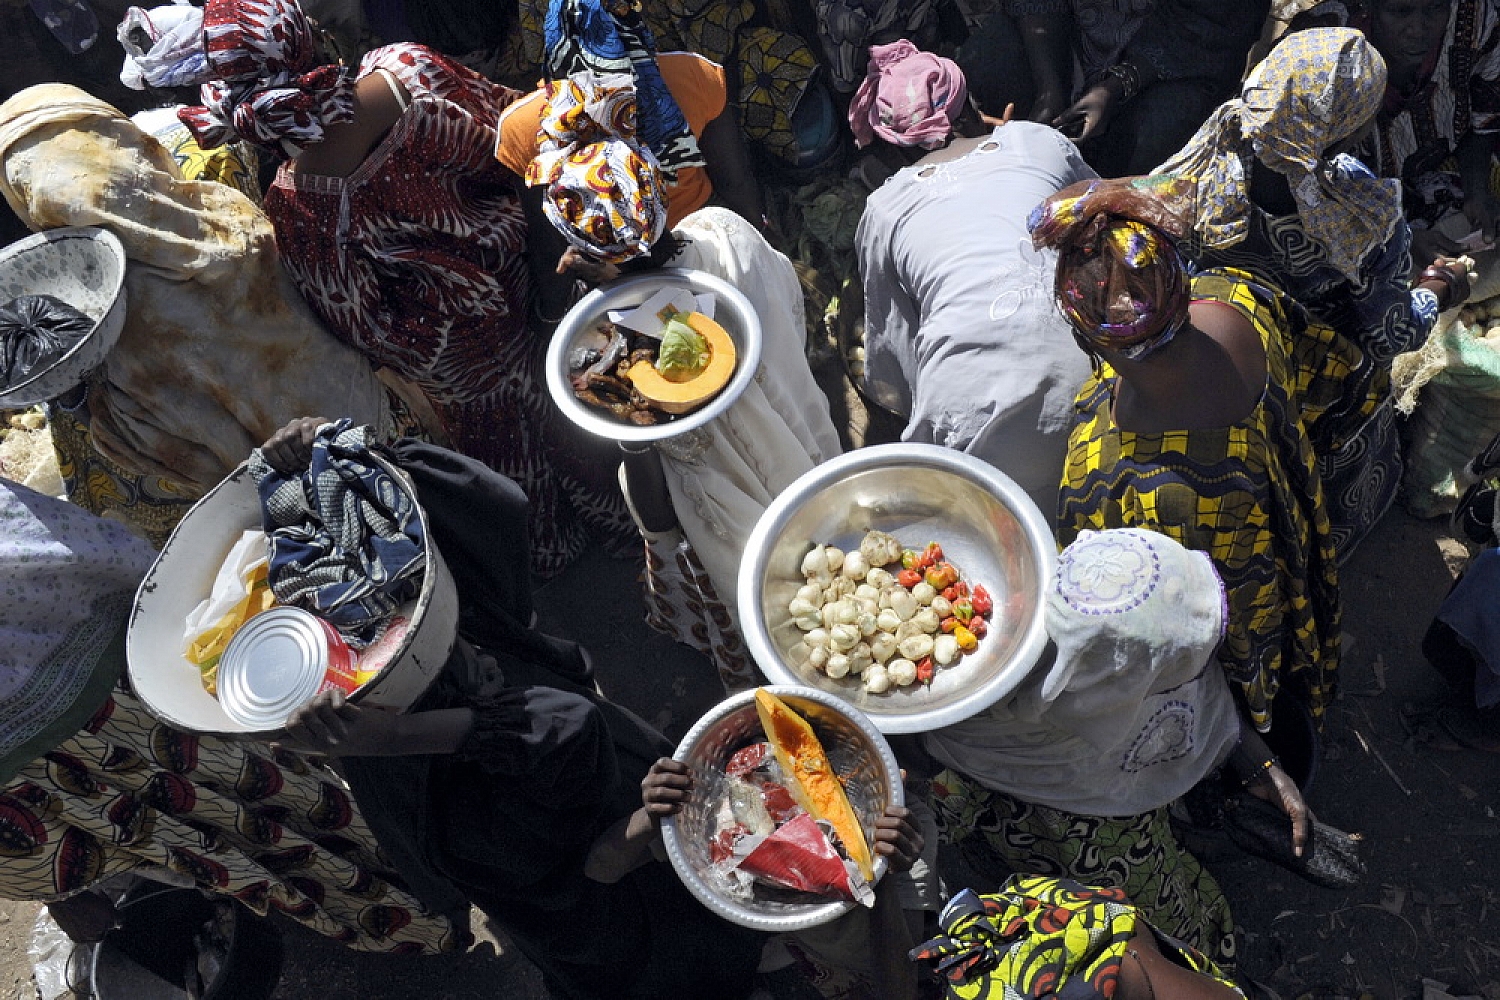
{"type": "Point", "coordinates": [1438, 272]}
{"type": "Point", "coordinates": [1261, 770]}
{"type": "Point", "coordinates": [1129, 77]}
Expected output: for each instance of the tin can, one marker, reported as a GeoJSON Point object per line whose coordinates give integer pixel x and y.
{"type": "Point", "coordinates": [277, 661]}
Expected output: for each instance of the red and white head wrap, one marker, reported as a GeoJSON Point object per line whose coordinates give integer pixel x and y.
{"type": "Point", "coordinates": [269, 86]}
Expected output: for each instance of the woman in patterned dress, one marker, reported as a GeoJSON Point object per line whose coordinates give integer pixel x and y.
{"type": "Point", "coordinates": [1277, 196]}
{"type": "Point", "coordinates": [407, 238]}
{"type": "Point", "coordinates": [1192, 426]}
{"type": "Point", "coordinates": [92, 786]}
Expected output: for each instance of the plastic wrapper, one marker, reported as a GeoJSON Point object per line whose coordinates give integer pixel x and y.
{"type": "Point", "coordinates": [36, 331]}
{"type": "Point", "coordinates": [239, 593]}
{"type": "Point", "coordinates": [799, 855]}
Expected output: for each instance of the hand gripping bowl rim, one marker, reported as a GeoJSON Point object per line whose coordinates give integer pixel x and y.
{"type": "Point", "coordinates": [753, 569]}
{"type": "Point", "coordinates": [815, 913]}
{"type": "Point", "coordinates": [747, 355]}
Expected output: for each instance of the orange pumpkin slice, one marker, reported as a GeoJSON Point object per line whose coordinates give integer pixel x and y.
{"type": "Point", "coordinates": [691, 393]}
{"type": "Point", "coordinates": [815, 787]}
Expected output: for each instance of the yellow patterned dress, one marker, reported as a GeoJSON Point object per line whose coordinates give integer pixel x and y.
{"type": "Point", "coordinates": [1248, 494]}
{"type": "Point", "coordinates": [1044, 937]}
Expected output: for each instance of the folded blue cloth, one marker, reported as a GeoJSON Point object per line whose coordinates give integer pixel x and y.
{"type": "Point", "coordinates": [345, 537]}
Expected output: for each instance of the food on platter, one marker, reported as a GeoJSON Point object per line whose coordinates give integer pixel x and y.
{"type": "Point", "coordinates": [647, 379]}
{"type": "Point", "coordinates": [885, 615]}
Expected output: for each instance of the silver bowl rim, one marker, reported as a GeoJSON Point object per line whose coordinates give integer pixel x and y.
{"type": "Point", "coordinates": [747, 359]}
{"type": "Point", "coordinates": [992, 480]}
{"type": "Point", "coordinates": [814, 914]}
{"type": "Point", "coordinates": [25, 393]}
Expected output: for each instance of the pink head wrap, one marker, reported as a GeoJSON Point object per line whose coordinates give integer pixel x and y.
{"type": "Point", "coordinates": [908, 97]}
{"type": "Point", "coordinates": [270, 84]}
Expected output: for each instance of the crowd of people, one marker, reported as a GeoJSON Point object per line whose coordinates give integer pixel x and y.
{"type": "Point", "coordinates": [1152, 260]}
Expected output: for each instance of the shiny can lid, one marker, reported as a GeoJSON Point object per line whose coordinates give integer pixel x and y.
{"type": "Point", "coordinates": [274, 663]}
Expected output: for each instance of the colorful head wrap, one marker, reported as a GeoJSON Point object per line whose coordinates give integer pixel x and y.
{"type": "Point", "coordinates": [1042, 937]}
{"type": "Point", "coordinates": [1315, 88]}
{"type": "Point", "coordinates": [607, 37]}
{"type": "Point", "coordinates": [603, 191]}
{"type": "Point", "coordinates": [908, 98]}
{"type": "Point", "coordinates": [1121, 281]}
{"type": "Point", "coordinates": [268, 85]}
{"type": "Point", "coordinates": [175, 56]}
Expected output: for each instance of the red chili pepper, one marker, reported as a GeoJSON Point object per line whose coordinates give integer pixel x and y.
{"type": "Point", "coordinates": [963, 610]}
{"type": "Point", "coordinates": [949, 624]}
{"type": "Point", "coordinates": [961, 585]}
{"type": "Point", "coordinates": [909, 578]}
{"type": "Point", "coordinates": [930, 555]}
{"type": "Point", "coordinates": [950, 594]}
{"type": "Point", "coordinates": [925, 670]}
{"type": "Point", "coordinates": [936, 550]}
{"type": "Point", "coordinates": [981, 601]}
{"type": "Point", "coordinates": [979, 627]}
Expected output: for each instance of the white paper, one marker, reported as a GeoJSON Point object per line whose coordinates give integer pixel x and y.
{"type": "Point", "coordinates": [650, 317]}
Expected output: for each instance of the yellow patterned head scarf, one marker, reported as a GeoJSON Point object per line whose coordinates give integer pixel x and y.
{"type": "Point", "coordinates": [1316, 88]}
{"type": "Point", "coordinates": [603, 189]}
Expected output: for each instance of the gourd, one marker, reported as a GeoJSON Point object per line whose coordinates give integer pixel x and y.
{"type": "Point", "coordinates": [692, 392]}
{"type": "Point", "coordinates": [815, 786]}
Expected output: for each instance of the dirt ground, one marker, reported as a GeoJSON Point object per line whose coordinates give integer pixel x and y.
{"type": "Point", "coordinates": [1429, 908]}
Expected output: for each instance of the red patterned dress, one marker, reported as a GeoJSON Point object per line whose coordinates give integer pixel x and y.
{"type": "Point", "coordinates": [417, 259]}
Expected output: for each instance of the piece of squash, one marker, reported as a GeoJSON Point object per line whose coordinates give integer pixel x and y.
{"type": "Point", "coordinates": [689, 394]}
{"type": "Point", "coordinates": [815, 787]}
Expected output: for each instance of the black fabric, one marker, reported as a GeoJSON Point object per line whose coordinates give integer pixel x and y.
{"type": "Point", "coordinates": [478, 519]}
{"type": "Point", "coordinates": [35, 332]}
{"type": "Point", "coordinates": [507, 821]}
{"type": "Point", "coordinates": [458, 26]}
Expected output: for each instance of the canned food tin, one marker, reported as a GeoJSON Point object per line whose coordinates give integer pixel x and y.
{"type": "Point", "coordinates": [277, 661]}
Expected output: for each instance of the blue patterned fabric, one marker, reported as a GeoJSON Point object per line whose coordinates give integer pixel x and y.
{"type": "Point", "coordinates": [345, 536]}
{"type": "Point", "coordinates": [610, 36]}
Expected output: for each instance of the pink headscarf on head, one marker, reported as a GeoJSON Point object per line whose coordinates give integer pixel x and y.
{"type": "Point", "coordinates": [908, 97]}
{"type": "Point", "coordinates": [268, 86]}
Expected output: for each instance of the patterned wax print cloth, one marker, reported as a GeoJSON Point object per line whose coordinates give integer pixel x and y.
{"type": "Point", "coordinates": [67, 585]}
{"type": "Point", "coordinates": [271, 831]}
{"type": "Point", "coordinates": [271, 83]}
{"type": "Point", "coordinates": [776, 68]}
{"type": "Point", "coordinates": [345, 536]}
{"type": "Point", "coordinates": [1315, 88]}
{"type": "Point", "coordinates": [1346, 334]}
{"type": "Point", "coordinates": [418, 260]}
{"type": "Point", "coordinates": [217, 351]}
{"type": "Point", "coordinates": [1457, 95]}
{"type": "Point", "coordinates": [611, 36]}
{"type": "Point", "coordinates": [1039, 938]}
{"type": "Point", "coordinates": [1248, 494]}
{"type": "Point", "coordinates": [1132, 226]}
{"type": "Point", "coordinates": [602, 191]}
{"type": "Point", "coordinates": [845, 28]}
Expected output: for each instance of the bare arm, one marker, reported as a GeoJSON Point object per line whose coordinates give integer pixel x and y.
{"type": "Point", "coordinates": [729, 168]}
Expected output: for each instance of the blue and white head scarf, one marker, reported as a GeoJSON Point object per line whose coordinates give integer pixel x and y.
{"type": "Point", "coordinates": [602, 37]}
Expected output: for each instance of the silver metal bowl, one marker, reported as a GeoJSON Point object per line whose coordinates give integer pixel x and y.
{"type": "Point", "coordinates": [83, 266]}
{"type": "Point", "coordinates": [855, 747]}
{"type": "Point", "coordinates": [732, 311]}
{"type": "Point", "coordinates": [988, 527]}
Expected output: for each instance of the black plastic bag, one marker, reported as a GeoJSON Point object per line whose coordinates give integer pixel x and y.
{"type": "Point", "coordinates": [35, 331]}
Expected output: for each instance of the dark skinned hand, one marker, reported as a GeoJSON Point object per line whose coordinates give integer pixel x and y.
{"type": "Point", "coordinates": [289, 450]}
{"type": "Point", "coordinates": [897, 838]}
{"type": "Point", "coordinates": [328, 724]}
{"type": "Point", "coordinates": [666, 788]}
{"type": "Point", "coordinates": [583, 267]}
{"type": "Point", "coordinates": [1089, 115]}
{"type": "Point", "coordinates": [1276, 787]}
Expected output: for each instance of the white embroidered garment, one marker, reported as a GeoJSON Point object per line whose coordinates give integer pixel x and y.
{"type": "Point", "coordinates": [1134, 710]}
{"type": "Point", "coordinates": [722, 476]}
